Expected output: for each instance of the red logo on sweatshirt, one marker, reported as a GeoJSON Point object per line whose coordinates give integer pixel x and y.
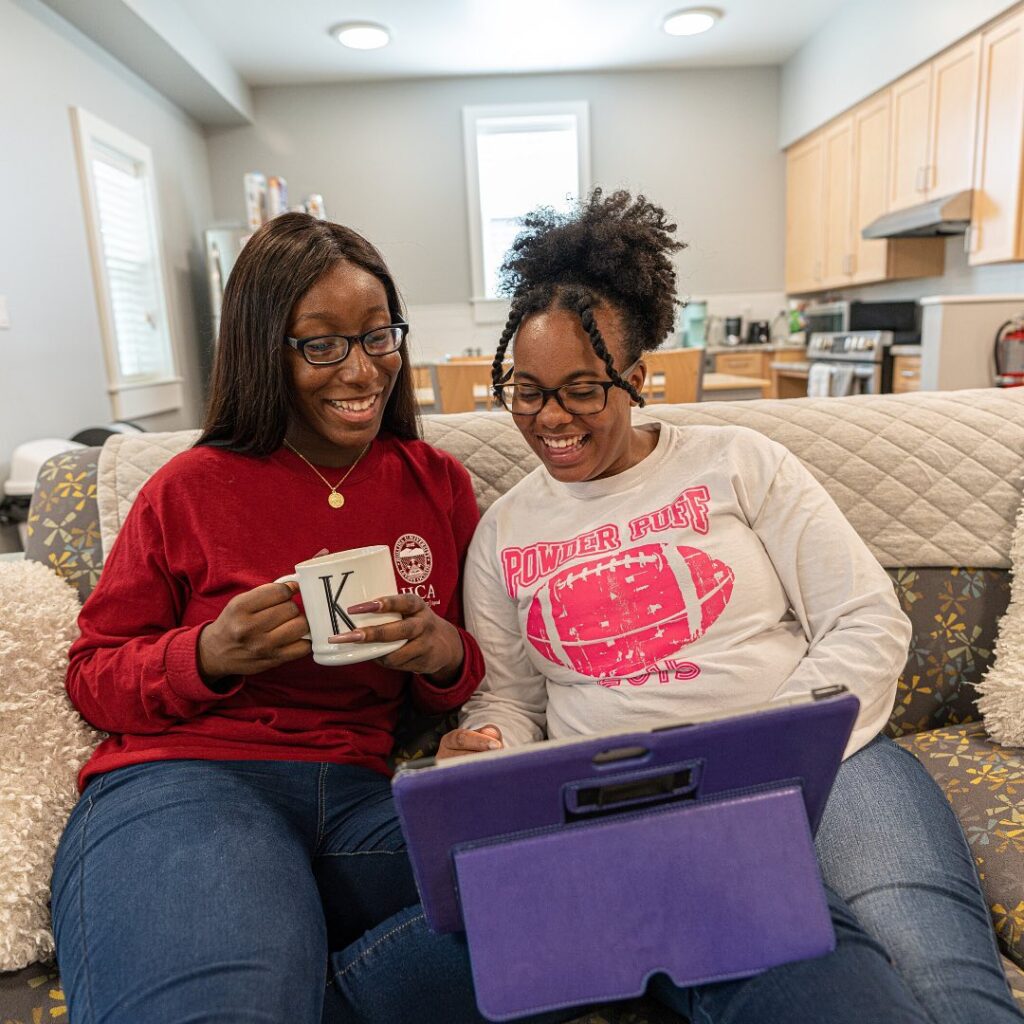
{"type": "Point", "coordinates": [687, 512]}
{"type": "Point", "coordinates": [413, 559]}
{"type": "Point", "coordinates": [624, 613]}
{"type": "Point", "coordinates": [524, 566]}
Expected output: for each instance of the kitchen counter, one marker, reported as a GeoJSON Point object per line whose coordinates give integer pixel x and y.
{"type": "Point", "coordinates": [762, 347]}
{"type": "Point", "coordinates": [905, 350]}
{"type": "Point", "coordinates": [800, 369]}
{"type": "Point", "coordinates": [725, 387]}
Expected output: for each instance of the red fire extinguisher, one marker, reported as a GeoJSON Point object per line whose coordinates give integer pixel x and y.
{"type": "Point", "coordinates": [1009, 354]}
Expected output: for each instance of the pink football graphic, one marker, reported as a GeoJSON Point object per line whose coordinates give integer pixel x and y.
{"type": "Point", "coordinates": [619, 614]}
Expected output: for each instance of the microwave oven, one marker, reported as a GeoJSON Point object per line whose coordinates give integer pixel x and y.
{"type": "Point", "coordinates": [855, 315]}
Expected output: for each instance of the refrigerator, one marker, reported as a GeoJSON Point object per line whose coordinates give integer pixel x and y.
{"type": "Point", "coordinates": [223, 244]}
{"type": "Point", "coordinates": [958, 339]}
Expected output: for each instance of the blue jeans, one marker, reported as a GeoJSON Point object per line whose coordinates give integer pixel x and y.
{"type": "Point", "coordinates": [213, 890]}
{"type": "Point", "coordinates": [890, 845]}
{"type": "Point", "coordinates": [914, 939]}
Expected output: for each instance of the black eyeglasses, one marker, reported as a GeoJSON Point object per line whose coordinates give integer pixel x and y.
{"type": "Point", "coordinates": [325, 349]}
{"type": "Point", "coordinates": [581, 398]}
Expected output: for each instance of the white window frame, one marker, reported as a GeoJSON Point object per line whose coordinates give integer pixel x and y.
{"type": "Point", "coordinates": [493, 310]}
{"type": "Point", "coordinates": [135, 395]}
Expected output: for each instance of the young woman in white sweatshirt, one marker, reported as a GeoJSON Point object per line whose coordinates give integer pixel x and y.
{"type": "Point", "coordinates": [645, 573]}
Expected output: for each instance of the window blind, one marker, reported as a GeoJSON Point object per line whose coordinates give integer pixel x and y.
{"type": "Point", "coordinates": [132, 269]}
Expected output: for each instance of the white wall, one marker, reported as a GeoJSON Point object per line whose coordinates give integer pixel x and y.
{"type": "Point", "coordinates": [52, 379]}
{"type": "Point", "coordinates": [388, 159]}
{"type": "Point", "coordinates": [865, 45]}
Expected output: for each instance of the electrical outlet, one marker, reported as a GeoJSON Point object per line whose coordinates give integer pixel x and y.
{"type": "Point", "coordinates": [5, 320]}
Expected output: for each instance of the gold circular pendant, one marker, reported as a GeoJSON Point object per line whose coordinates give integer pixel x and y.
{"type": "Point", "coordinates": [335, 500]}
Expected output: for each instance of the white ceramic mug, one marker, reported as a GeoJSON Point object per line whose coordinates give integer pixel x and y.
{"type": "Point", "coordinates": [332, 583]}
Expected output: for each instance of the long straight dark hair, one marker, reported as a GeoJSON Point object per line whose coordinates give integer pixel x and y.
{"type": "Point", "coordinates": [250, 395]}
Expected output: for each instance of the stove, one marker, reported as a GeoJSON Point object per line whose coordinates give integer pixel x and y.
{"type": "Point", "coordinates": [849, 363]}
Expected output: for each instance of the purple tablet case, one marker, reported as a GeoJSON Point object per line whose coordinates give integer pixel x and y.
{"type": "Point", "coordinates": [528, 854]}
{"type": "Point", "coordinates": [703, 892]}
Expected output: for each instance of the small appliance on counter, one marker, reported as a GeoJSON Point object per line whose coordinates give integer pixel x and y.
{"type": "Point", "coordinates": [714, 333]}
{"type": "Point", "coordinates": [1009, 354]}
{"type": "Point", "coordinates": [759, 332]}
{"type": "Point", "coordinates": [733, 327]}
{"type": "Point", "coordinates": [902, 318]}
{"type": "Point", "coordinates": [695, 317]}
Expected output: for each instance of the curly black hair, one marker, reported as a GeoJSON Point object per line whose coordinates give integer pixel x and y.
{"type": "Point", "coordinates": [612, 249]}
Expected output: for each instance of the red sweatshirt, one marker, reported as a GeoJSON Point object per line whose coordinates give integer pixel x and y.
{"type": "Point", "coordinates": [212, 524]}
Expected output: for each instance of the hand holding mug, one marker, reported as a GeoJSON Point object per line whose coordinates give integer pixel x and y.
{"type": "Point", "coordinates": [331, 584]}
{"type": "Point", "coordinates": [257, 630]}
{"type": "Point", "coordinates": [431, 647]}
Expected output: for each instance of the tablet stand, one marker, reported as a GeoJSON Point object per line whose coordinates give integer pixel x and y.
{"type": "Point", "coordinates": [588, 911]}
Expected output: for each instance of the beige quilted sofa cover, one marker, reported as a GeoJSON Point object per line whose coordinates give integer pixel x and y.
{"type": "Point", "coordinates": [927, 479]}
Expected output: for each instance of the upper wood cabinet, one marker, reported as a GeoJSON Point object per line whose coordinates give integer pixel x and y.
{"type": "Point", "coordinates": [804, 194]}
{"type": "Point", "coordinates": [934, 121]}
{"type": "Point", "coordinates": [837, 157]}
{"type": "Point", "coordinates": [996, 230]}
{"type": "Point", "coordinates": [836, 183]}
{"type": "Point", "coordinates": [954, 122]}
{"type": "Point", "coordinates": [911, 106]}
{"type": "Point", "coordinates": [870, 175]}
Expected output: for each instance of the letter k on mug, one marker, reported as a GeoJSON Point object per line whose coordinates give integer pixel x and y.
{"type": "Point", "coordinates": [331, 583]}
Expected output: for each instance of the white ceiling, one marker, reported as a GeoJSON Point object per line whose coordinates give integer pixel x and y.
{"type": "Point", "coordinates": [276, 42]}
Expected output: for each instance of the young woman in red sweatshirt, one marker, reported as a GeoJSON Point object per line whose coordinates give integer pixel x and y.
{"type": "Point", "coordinates": [236, 826]}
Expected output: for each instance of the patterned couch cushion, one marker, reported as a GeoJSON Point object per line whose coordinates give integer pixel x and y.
{"type": "Point", "coordinates": [985, 784]}
{"type": "Point", "coordinates": [955, 616]}
{"type": "Point", "coordinates": [63, 519]}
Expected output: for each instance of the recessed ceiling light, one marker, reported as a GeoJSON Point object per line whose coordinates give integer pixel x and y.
{"type": "Point", "coordinates": [361, 35]}
{"type": "Point", "coordinates": [691, 21]}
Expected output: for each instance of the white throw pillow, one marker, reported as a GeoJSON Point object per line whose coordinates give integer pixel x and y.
{"type": "Point", "coordinates": [43, 743]}
{"type": "Point", "coordinates": [1002, 689]}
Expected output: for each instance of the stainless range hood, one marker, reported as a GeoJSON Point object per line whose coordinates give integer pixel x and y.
{"type": "Point", "coordinates": [950, 215]}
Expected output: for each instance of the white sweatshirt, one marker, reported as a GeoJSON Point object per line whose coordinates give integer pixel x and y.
{"type": "Point", "coordinates": [714, 575]}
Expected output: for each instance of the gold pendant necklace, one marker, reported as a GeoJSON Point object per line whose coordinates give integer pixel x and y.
{"type": "Point", "coordinates": [335, 499]}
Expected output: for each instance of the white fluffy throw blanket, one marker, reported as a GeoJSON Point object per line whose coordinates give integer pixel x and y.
{"type": "Point", "coordinates": [43, 743]}
{"type": "Point", "coordinates": [1002, 689]}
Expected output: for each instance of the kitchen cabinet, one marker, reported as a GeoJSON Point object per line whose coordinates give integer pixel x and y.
{"type": "Point", "coordinates": [996, 231]}
{"type": "Point", "coordinates": [954, 121]}
{"type": "Point", "coordinates": [911, 102]}
{"type": "Point", "coordinates": [870, 167]}
{"type": "Point", "coordinates": [757, 364]}
{"type": "Point", "coordinates": [933, 127]}
{"type": "Point", "coordinates": [804, 194]}
{"type": "Point", "coordinates": [836, 183]}
{"type": "Point", "coordinates": [743, 364]}
{"type": "Point", "coordinates": [837, 157]}
{"type": "Point", "coordinates": [787, 371]}
{"type": "Point", "coordinates": [906, 374]}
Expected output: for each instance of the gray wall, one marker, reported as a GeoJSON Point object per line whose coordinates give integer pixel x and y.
{"type": "Point", "coordinates": [865, 45]}
{"type": "Point", "coordinates": [388, 159]}
{"type": "Point", "coordinates": [52, 378]}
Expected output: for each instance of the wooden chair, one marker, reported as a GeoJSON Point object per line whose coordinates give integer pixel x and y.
{"type": "Point", "coordinates": [423, 388]}
{"type": "Point", "coordinates": [463, 386]}
{"type": "Point", "coordinates": [673, 375]}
